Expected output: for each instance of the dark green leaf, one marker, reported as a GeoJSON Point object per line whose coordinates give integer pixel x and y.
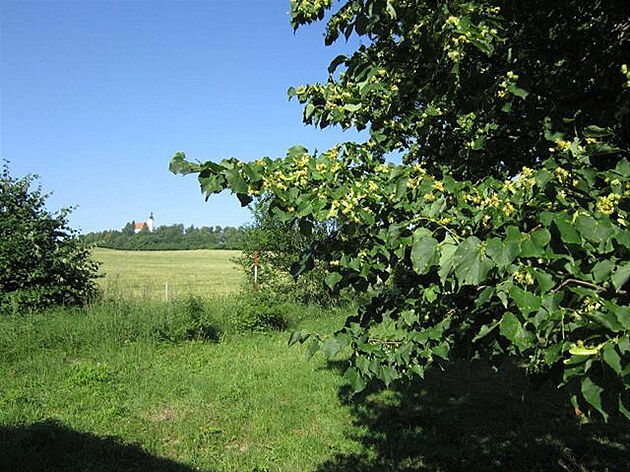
{"type": "Point", "coordinates": [424, 252]}
{"type": "Point", "coordinates": [612, 357]}
{"type": "Point", "coordinates": [511, 328]}
{"type": "Point", "coordinates": [597, 132]}
{"type": "Point", "coordinates": [312, 348]}
{"type": "Point", "coordinates": [526, 302]}
{"type": "Point", "coordinates": [593, 394]}
{"type": "Point", "coordinates": [332, 279]}
{"type": "Point", "coordinates": [621, 275]}
{"type": "Point", "coordinates": [502, 253]}
{"type": "Point", "coordinates": [602, 269]}
{"type": "Point", "coordinates": [470, 263]}
{"type": "Point", "coordinates": [447, 257]}
{"type": "Point", "coordinates": [355, 379]}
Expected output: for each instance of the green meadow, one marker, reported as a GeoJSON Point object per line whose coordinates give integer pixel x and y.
{"type": "Point", "coordinates": [160, 274]}
{"type": "Point", "coordinates": [206, 382]}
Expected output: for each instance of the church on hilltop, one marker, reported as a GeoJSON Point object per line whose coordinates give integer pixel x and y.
{"type": "Point", "coordinates": [148, 225]}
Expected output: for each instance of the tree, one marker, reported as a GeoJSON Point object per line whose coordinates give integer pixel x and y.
{"type": "Point", "coordinates": [279, 245]}
{"type": "Point", "coordinates": [42, 262]}
{"type": "Point", "coordinates": [506, 223]}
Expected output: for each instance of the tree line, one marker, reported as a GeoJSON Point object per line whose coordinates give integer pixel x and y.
{"type": "Point", "coordinates": [167, 237]}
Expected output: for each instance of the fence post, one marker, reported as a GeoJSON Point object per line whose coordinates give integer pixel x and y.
{"type": "Point", "coordinates": [256, 257]}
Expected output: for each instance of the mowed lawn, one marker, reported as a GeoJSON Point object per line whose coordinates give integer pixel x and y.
{"type": "Point", "coordinates": [161, 274]}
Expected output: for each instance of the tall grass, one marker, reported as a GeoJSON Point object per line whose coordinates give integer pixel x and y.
{"type": "Point", "coordinates": [245, 403]}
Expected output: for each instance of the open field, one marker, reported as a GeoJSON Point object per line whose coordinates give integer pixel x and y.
{"type": "Point", "coordinates": [156, 274]}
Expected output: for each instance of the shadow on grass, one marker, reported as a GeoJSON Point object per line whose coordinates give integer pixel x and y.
{"type": "Point", "coordinates": [469, 418]}
{"type": "Point", "coordinates": [50, 446]}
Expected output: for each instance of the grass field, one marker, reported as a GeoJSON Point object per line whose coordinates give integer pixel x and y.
{"type": "Point", "coordinates": [134, 384]}
{"type": "Point", "coordinates": [158, 274]}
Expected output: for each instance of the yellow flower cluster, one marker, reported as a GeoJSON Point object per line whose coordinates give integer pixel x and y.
{"type": "Point", "coordinates": [492, 201]}
{"type": "Point", "coordinates": [608, 204]}
{"type": "Point", "coordinates": [563, 145]}
{"type": "Point", "coordinates": [524, 180]}
{"type": "Point", "coordinates": [561, 174]}
{"type": "Point", "coordinates": [524, 278]}
{"type": "Point", "coordinates": [505, 83]}
{"type": "Point", "coordinates": [452, 21]}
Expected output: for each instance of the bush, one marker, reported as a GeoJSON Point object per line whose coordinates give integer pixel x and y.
{"type": "Point", "coordinates": [264, 312]}
{"type": "Point", "coordinates": [42, 263]}
{"type": "Point", "coordinates": [190, 319]}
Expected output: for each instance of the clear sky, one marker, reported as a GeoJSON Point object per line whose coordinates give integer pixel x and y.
{"type": "Point", "coordinates": [97, 95]}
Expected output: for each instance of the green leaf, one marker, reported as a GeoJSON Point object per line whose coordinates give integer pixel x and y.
{"type": "Point", "coordinates": [236, 181]}
{"type": "Point", "coordinates": [355, 379]}
{"type": "Point", "coordinates": [526, 302]}
{"type": "Point", "coordinates": [391, 11]}
{"type": "Point", "coordinates": [623, 168]}
{"type": "Point", "coordinates": [308, 111]}
{"type": "Point", "coordinates": [387, 374]}
{"type": "Point", "coordinates": [594, 230]}
{"type": "Point", "coordinates": [332, 279]}
{"type": "Point", "coordinates": [447, 257]}
{"type": "Point", "coordinates": [470, 263]}
{"type": "Point", "coordinates": [336, 62]}
{"type": "Point", "coordinates": [296, 336]}
{"type": "Point", "coordinates": [424, 252]}
{"type": "Point", "coordinates": [602, 269]}
{"type": "Point", "coordinates": [621, 275]}
{"type": "Point", "coordinates": [296, 151]}
{"type": "Point", "coordinates": [502, 253]}
{"type": "Point", "coordinates": [179, 164]}
{"type": "Point", "coordinates": [567, 231]}
{"type": "Point", "coordinates": [485, 295]}
{"type": "Point", "coordinates": [519, 92]}
{"type": "Point", "coordinates": [544, 279]}
{"type": "Point", "coordinates": [331, 347]}
{"type": "Point", "coordinates": [485, 330]}
{"type": "Point", "coordinates": [352, 107]}
{"type": "Point", "coordinates": [511, 328]}
{"type": "Point", "coordinates": [312, 348]}
{"type": "Point", "coordinates": [597, 132]}
{"type": "Point", "coordinates": [597, 149]}
{"type": "Point", "coordinates": [593, 395]}
{"type": "Point", "coordinates": [533, 244]}
{"type": "Point", "coordinates": [612, 358]}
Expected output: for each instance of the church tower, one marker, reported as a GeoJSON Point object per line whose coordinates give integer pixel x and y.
{"type": "Point", "coordinates": [151, 223]}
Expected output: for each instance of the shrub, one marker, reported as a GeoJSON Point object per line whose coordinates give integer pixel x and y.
{"type": "Point", "coordinates": [42, 262]}
{"type": "Point", "coordinates": [190, 319]}
{"type": "Point", "coordinates": [266, 312]}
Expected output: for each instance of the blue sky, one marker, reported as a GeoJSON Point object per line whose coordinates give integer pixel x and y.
{"type": "Point", "coordinates": [96, 96]}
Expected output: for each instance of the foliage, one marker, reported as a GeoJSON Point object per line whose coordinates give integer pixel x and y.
{"type": "Point", "coordinates": [189, 319]}
{"type": "Point", "coordinates": [167, 237]}
{"type": "Point", "coordinates": [279, 244]}
{"type": "Point", "coordinates": [263, 313]}
{"type": "Point", "coordinates": [508, 214]}
{"type": "Point", "coordinates": [42, 262]}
